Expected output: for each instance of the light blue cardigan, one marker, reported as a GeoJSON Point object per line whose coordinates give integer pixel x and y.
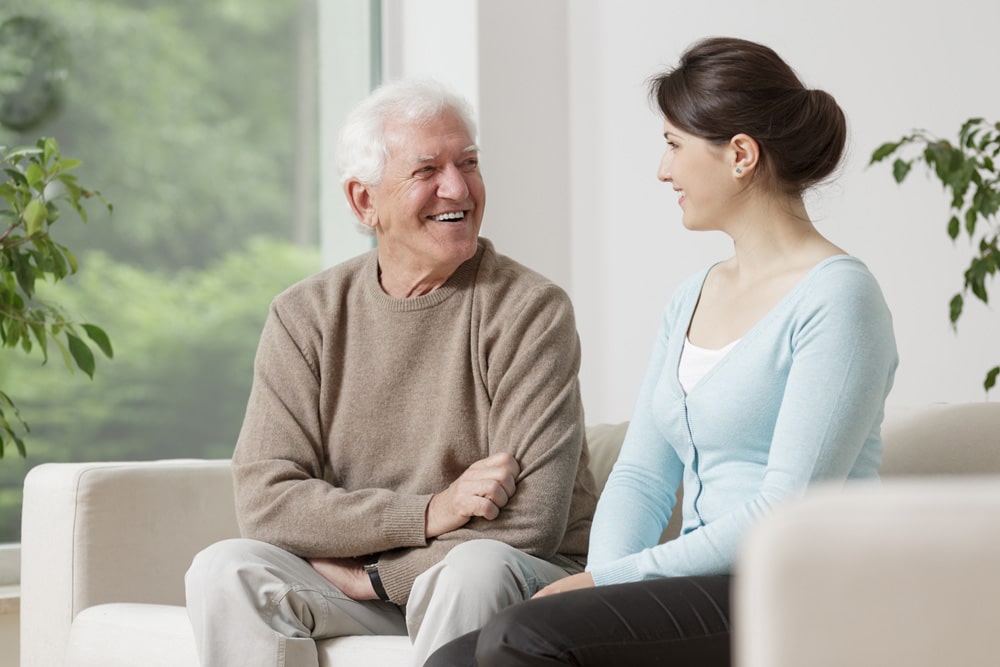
{"type": "Point", "coordinates": [800, 398]}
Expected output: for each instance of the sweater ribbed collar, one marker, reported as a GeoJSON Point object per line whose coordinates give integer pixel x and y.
{"type": "Point", "coordinates": [462, 278]}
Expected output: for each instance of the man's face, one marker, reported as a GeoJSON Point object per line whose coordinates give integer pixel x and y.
{"type": "Point", "coordinates": [428, 208]}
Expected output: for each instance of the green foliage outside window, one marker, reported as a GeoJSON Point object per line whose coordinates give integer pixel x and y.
{"type": "Point", "coordinates": [187, 115]}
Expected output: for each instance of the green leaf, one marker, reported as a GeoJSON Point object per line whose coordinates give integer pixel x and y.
{"type": "Point", "coordinates": [67, 359]}
{"type": "Point", "coordinates": [96, 334]}
{"type": "Point", "coordinates": [71, 258]}
{"type": "Point", "coordinates": [50, 148]}
{"type": "Point", "coordinates": [954, 226]}
{"type": "Point", "coordinates": [13, 333]}
{"type": "Point", "coordinates": [17, 177]}
{"type": "Point", "coordinates": [23, 151]}
{"type": "Point", "coordinates": [955, 308]}
{"type": "Point", "coordinates": [991, 378]}
{"type": "Point", "coordinates": [975, 277]}
{"type": "Point", "coordinates": [38, 328]}
{"type": "Point", "coordinates": [82, 355]}
{"type": "Point", "coordinates": [900, 168]}
{"type": "Point", "coordinates": [25, 274]}
{"type": "Point", "coordinates": [964, 134]}
{"type": "Point", "coordinates": [944, 158]}
{"type": "Point", "coordinates": [34, 217]}
{"type": "Point", "coordinates": [35, 174]}
{"type": "Point", "coordinates": [66, 165]}
{"type": "Point", "coordinates": [971, 215]}
{"type": "Point", "coordinates": [884, 151]}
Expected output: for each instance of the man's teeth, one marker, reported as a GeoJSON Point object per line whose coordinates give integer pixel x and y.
{"type": "Point", "coordinates": [457, 215]}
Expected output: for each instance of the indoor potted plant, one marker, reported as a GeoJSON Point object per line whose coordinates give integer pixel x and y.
{"type": "Point", "coordinates": [969, 171]}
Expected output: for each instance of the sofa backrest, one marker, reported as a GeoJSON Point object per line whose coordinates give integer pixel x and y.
{"type": "Point", "coordinates": [941, 439]}
{"type": "Point", "coordinates": [935, 439]}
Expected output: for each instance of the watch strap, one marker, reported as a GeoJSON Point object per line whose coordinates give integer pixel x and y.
{"type": "Point", "coordinates": [376, 579]}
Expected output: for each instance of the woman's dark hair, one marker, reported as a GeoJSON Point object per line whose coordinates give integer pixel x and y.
{"type": "Point", "coordinates": [726, 86]}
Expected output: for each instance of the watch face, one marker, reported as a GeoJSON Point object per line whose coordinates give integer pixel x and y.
{"type": "Point", "coordinates": [33, 69]}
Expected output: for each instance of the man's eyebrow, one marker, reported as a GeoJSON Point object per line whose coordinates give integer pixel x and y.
{"type": "Point", "coordinates": [472, 148]}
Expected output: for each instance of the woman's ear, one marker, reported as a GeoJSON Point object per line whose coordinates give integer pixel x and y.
{"type": "Point", "coordinates": [745, 153]}
{"type": "Point", "coordinates": [359, 196]}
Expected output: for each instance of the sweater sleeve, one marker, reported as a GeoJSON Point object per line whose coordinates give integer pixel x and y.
{"type": "Point", "coordinates": [843, 358]}
{"type": "Point", "coordinates": [529, 359]}
{"type": "Point", "coordinates": [641, 491]}
{"type": "Point", "coordinates": [282, 496]}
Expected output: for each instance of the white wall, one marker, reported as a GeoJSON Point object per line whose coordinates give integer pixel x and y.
{"type": "Point", "coordinates": [561, 86]}
{"type": "Point", "coordinates": [892, 65]}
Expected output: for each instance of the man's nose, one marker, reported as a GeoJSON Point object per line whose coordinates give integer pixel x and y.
{"type": "Point", "coordinates": [452, 184]}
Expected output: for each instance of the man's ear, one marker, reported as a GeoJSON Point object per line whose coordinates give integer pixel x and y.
{"type": "Point", "coordinates": [745, 152]}
{"type": "Point", "coordinates": [359, 197]}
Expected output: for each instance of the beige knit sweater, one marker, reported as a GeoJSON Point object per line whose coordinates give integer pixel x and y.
{"type": "Point", "coordinates": [364, 405]}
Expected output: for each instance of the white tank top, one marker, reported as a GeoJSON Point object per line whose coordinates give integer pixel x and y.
{"type": "Point", "coordinates": [697, 361]}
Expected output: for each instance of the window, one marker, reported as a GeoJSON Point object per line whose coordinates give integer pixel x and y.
{"type": "Point", "coordinates": [200, 122]}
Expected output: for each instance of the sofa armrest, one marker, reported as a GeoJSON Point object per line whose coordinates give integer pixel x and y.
{"type": "Point", "coordinates": [852, 576]}
{"type": "Point", "coordinates": [112, 532]}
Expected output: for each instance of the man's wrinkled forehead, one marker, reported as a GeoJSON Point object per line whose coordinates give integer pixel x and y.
{"type": "Point", "coordinates": [427, 137]}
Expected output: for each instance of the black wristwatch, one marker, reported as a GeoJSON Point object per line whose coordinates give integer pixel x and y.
{"type": "Point", "coordinates": [372, 570]}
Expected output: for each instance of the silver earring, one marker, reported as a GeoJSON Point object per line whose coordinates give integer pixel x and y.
{"type": "Point", "coordinates": [738, 170]}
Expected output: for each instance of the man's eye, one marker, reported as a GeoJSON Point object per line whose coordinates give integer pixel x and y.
{"type": "Point", "coordinates": [424, 172]}
{"type": "Point", "coordinates": [470, 165]}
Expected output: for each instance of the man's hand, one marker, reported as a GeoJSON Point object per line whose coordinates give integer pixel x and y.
{"type": "Point", "coordinates": [348, 575]}
{"type": "Point", "coordinates": [482, 490]}
{"type": "Point", "coordinates": [570, 583]}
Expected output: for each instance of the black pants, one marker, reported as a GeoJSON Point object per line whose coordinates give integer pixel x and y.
{"type": "Point", "coordinates": [672, 622]}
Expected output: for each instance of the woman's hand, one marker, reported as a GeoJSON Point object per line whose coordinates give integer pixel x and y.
{"type": "Point", "coordinates": [570, 583]}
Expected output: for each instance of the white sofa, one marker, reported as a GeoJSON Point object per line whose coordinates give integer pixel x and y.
{"type": "Point", "coordinates": [105, 547]}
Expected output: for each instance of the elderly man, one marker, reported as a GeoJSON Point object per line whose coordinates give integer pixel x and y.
{"type": "Point", "coordinates": [412, 458]}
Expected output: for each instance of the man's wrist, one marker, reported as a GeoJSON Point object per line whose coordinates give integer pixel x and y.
{"type": "Point", "coordinates": [371, 569]}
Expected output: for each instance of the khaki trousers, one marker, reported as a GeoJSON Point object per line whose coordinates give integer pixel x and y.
{"type": "Point", "coordinates": [252, 604]}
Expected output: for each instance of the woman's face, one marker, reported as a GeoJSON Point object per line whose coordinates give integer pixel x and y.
{"type": "Point", "coordinates": [701, 175]}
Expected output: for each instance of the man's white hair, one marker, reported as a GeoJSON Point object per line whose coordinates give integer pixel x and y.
{"type": "Point", "coordinates": [361, 148]}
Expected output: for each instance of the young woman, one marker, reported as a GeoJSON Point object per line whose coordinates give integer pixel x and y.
{"type": "Point", "coordinates": [769, 372]}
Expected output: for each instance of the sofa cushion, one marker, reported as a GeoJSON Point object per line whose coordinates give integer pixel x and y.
{"type": "Point", "coordinates": [112, 635]}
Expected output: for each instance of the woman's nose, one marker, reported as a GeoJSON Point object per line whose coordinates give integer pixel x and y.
{"type": "Point", "coordinates": [663, 171]}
